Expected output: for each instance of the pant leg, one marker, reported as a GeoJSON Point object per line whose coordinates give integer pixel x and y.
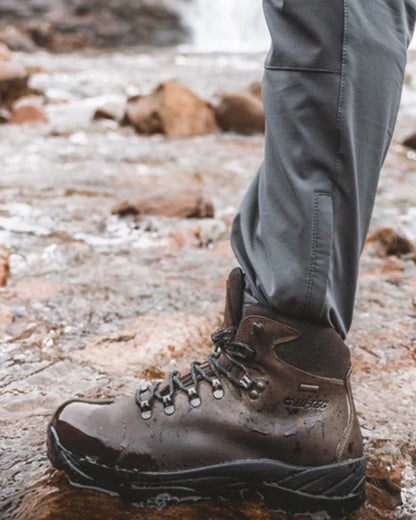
{"type": "Point", "coordinates": [332, 88]}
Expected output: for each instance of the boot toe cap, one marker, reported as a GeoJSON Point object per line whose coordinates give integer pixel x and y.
{"type": "Point", "coordinates": [80, 428]}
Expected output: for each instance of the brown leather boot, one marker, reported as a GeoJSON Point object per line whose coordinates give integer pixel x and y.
{"type": "Point", "coordinates": [269, 415]}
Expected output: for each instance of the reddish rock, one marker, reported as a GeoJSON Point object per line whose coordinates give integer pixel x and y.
{"type": "Point", "coordinates": [4, 265]}
{"type": "Point", "coordinates": [28, 110]}
{"type": "Point", "coordinates": [172, 110]}
{"type": "Point", "coordinates": [240, 112]}
{"type": "Point", "coordinates": [389, 241]}
{"type": "Point", "coordinates": [13, 81]}
{"type": "Point", "coordinates": [178, 203]}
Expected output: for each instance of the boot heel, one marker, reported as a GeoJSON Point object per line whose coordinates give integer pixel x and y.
{"type": "Point", "coordinates": [337, 489]}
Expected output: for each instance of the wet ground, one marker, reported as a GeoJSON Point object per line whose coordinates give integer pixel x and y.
{"type": "Point", "coordinates": [95, 303]}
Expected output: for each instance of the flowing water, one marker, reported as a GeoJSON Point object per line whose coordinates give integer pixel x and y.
{"type": "Point", "coordinates": [227, 25]}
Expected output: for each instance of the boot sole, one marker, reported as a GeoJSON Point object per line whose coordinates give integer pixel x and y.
{"type": "Point", "coordinates": [334, 489]}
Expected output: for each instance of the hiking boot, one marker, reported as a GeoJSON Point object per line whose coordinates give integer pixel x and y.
{"type": "Point", "coordinates": [269, 416]}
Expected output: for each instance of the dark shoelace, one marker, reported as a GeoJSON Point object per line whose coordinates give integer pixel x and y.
{"type": "Point", "coordinates": [235, 352]}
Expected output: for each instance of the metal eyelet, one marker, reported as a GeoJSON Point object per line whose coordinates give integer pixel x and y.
{"type": "Point", "coordinates": [146, 410]}
{"type": "Point", "coordinates": [257, 329]}
{"type": "Point", "coordinates": [254, 394]}
{"type": "Point", "coordinates": [261, 386]}
{"type": "Point", "coordinates": [246, 382]}
{"type": "Point", "coordinates": [168, 404]}
{"type": "Point", "coordinates": [217, 389]}
{"type": "Point", "coordinates": [194, 398]}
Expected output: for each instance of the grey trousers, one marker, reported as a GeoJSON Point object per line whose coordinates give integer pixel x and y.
{"type": "Point", "coordinates": [332, 87]}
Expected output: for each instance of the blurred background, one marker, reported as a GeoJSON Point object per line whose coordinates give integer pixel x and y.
{"type": "Point", "coordinates": [129, 131]}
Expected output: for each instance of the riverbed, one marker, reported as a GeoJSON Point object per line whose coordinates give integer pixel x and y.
{"type": "Point", "coordinates": [94, 303]}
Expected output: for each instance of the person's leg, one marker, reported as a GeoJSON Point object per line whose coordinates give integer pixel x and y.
{"type": "Point", "coordinates": [331, 89]}
{"type": "Point", "coordinates": [271, 410]}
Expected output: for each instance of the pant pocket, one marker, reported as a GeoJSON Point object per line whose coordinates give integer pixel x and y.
{"type": "Point", "coordinates": [320, 254]}
{"type": "Point", "coordinates": [306, 34]}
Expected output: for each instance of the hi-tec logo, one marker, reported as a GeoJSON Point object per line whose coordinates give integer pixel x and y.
{"type": "Point", "coordinates": [293, 404]}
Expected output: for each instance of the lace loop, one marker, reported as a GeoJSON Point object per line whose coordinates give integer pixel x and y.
{"type": "Point", "coordinates": [236, 353]}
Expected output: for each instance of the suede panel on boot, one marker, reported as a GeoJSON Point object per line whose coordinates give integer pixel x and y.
{"type": "Point", "coordinates": [317, 348]}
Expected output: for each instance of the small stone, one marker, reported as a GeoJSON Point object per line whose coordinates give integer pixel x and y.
{"type": "Point", "coordinates": [28, 110]}
{"type": "Point", "coordinates": [4, 265]}
{"type": "Point", "coordinates": [172, 110]}
{"type": "Point", "coordinates": [240, 112]}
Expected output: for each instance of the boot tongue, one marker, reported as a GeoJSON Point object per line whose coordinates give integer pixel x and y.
{"type": "Point", "coordinates": [232, 315]}
{"type": "Point", "coordinates": [234, 299]}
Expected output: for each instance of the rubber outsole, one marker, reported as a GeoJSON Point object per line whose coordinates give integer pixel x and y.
{"type": "Point", "coordinates": [335, 489]}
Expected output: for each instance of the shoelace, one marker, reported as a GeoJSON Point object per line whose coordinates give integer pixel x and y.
{"type": "Point", "coordinates": [236, 353]}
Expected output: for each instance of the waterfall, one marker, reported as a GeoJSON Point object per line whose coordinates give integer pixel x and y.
{"type": "Point", "coordinates": [227, 25]}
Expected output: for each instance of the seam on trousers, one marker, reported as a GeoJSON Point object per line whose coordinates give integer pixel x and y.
{"type": "Point", "coordinates": [312, 266]}
{"type": "Point", "coordinates": [337, 167]}
{"type": "Point", "coordinates": [302, 69]}
{"type": "Point", "coordinates": [315, 236]}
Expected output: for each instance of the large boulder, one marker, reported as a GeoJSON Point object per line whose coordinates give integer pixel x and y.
{"type": "Point", "coordinates": [176, 203]}
{"type": "Point", "coordinates": [60, 24]}
{"type": "Point", "coordinates": [240, 112]}
{"type": "Point", "coordinates": [172, 110]}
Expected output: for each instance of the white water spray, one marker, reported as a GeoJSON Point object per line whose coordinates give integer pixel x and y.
{"type": "Point", "coordinates": [227, 25]}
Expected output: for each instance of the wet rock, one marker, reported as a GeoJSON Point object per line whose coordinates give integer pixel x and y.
{"type": "Point", "coordinates": [174, 203]}
{"type": "Point", "coordinates": [65, 24]}
{"type": "Point", "coordinates": [28, 110]}
{"type": "Point", "coordinates": [410, 141]}
{"type": "Point", "coordinates": [240, 112]}
{"type": "Point", "coordinates": [386, 473]}
{"type": "Point", "coordinates": [14, 79]}
{"type": "Point", "coordinates": [173, 110]}
{"type": "Point", "coordinates": [4, 265]}
{"type": "Point", "coordinates": [388, 242]}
